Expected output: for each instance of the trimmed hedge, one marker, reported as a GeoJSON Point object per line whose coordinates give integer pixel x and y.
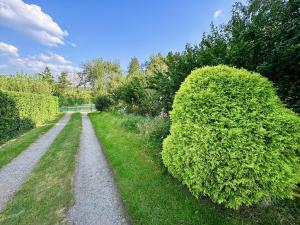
{"type": "Point", "coordinates": [231, 138]}
{"type": "Point", "coordinates": [21, 111]}
{"type": "Point", "coordinates": [69, 101]}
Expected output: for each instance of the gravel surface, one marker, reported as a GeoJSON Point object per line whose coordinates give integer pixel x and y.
{"type": "Point", "coordinates": [96, 198]}
{"type": "Point", "coordinates": [15, 173]}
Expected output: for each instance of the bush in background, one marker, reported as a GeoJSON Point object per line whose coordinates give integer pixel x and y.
{"type": "Point", "coordinates": [66, 101]}
{"type": "Point", "coordinates": [21, 111]}
{"type": "Point", "coordinates": [231, 138]}
{"type": "Point", "coordinates": [135, 94]}
{"type": "Point", "coordinates": [103, 102]}
{"type": "Point", "coordinates": [70, 96]}
{"type": "Point", "coordinates": [131, 121]}
{"type": "Point", "coordinates": [155, 129]}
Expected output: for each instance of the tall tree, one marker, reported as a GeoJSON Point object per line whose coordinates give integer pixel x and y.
{"type": "Point", "coordinates": [156, 64]}
{"type": "Point", "coordinates": [101, 75]}
{"type": "Point", "coordinates": [63, 81]}
{"type": "Point", "coordinates": [261, 36]}
{"type": "Point", "coordinates": [264, 36]}
{"type": "Point", "coordinates": [62, 85]}
{"type": "Point", "coordinates": [134, 66]}
{"type": "Point", "coordinates": [47, 75]}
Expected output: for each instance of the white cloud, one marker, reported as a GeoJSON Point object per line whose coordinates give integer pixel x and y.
{"type": "Point", "coordinates": [2, 66]}
{"type": "Point", "coordinates": [37, 63]}
{"type": "Point", "coordinates": [7, 49]}
{"type": "Point", "coordinates": [72, 44]}
{"type": "Point", "coordinates": [30, 19]}
{"type": "Point", "coordinates": [217, 13]}
{"type": "Point", "coordinates": [50, 57]}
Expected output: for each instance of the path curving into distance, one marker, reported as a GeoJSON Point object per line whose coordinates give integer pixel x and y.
{"type": "Point", "coordinates": [13, 175]}
{"type": "Point", "coordinates": [96, 198]}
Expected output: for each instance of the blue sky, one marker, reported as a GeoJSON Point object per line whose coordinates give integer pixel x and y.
{"type": "Point", "coordinates": [63, 34]}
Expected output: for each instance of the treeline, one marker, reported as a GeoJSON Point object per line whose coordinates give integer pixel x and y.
{"type": "Point", "coordinates": [27, 101]}
{"type": "Point", "coordinates": [129, 92]}
{"type": "Point", "coordinates": [261, 36]}
{"type": "Point", "coordinates": [25, 83]}
{"type": "Point", "coordinates": [44, 83]}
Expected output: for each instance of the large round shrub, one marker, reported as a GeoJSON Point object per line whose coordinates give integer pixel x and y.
{"type": "Point", "coordinates": [231, 138]}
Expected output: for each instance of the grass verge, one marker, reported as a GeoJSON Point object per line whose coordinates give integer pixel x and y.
{"type": "Point", "coordinates": [153, 197]}
{"type": "Point", "coordinates": [14, 147]}
{"type": "Point", "coordinates": [47, 194]}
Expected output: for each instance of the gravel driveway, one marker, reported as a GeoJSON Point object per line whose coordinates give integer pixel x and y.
{"type": "Point", "coordinates": [15, 173]}
{"type": "Point", "coordinates": [96, 198]}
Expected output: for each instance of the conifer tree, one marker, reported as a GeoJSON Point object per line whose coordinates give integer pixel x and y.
{"type": "Point", "coordinates": [134, 66]}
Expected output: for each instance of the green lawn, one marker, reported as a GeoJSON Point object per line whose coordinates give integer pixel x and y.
{"type": "Point", "coordinates": [47, 195]}
{"type": "Point", "coordinates": [13, 148]}
{"type": "Point", "coordinates": [152, 196]}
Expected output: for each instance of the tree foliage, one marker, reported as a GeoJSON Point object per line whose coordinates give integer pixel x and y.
{"type": "Point", "coordinates": [133, 94]}
{"type": "Point", "coordinates": [103, 102]}
{"type": "Point", "coordinates": [62, 84]}
{"type": "Point", "coordinates": [75, 96]}
{"type": "Point", "coordinates": [102, 76]}
{"type": "Point", "coordinates": [63, 81]}
{"type": "Point", "coordinates": [264, 37]}
{"type": "Point", "coordinates": [134, 67]}
{"type": "Point", "coordinates": [47, 76]}
{"type": "Point", "coordinates": [136, 92]}
{"type": "Point", "coordinates": [261, 36]}
{"type": "Point", "coordinates": [156, 64]}
{"type": "Point", "coordinates": [25, 83]}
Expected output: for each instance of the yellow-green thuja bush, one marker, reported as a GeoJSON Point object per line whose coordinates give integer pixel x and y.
{"type": "Point", "coordinates": [231, 138]}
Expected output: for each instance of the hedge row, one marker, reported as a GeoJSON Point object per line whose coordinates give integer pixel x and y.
{"type": "Point", "coordinates": [69, 101]}
{"type": "Point", "coordinates": [21, 111]}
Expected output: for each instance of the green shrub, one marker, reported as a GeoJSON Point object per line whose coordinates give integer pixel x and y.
{"type": "Point", "coordinates": [154, 129]}
{"type": "Point", "coordinates": [103, 102]}
{"type": "Point", "coordinates": [21, 111]}
{"type": "Point", "coordinates": [135, 94]}
{"type": "Point", "coordinates": [131, 121]}
{"type": "Point", "coordinates": [231, 138]}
